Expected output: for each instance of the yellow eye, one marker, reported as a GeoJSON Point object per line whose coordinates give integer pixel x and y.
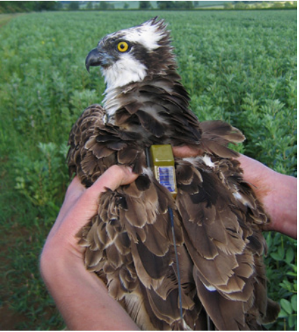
{"type": "Point", "coordinates": [122, 46]}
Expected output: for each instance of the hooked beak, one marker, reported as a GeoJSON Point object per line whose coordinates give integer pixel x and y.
{"type": "Point", "coordinates": [93, 58]}
{"type": "Point", "coordinates": [99, 57]}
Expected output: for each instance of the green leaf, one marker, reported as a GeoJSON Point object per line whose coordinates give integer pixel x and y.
{"type": "Point", "coordinates": [282, 314]}
{"type": "Point", "coordinates": [281, 253]}
{"type": "Point", "coordinates": [275, 256]}
{"type": "Point", "coordinates": [286, 305]}
{"type": "Point", "coordinates": [291, 320]}
{"type": "Point", "coordinates": [286, 285]}
{"type": "Point", "coordinates": [294, 302]}
{"type": "Point", "coordinates": [290, 255]}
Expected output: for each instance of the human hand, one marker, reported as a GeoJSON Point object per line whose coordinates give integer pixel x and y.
{"type": "Point", "coordinates": [277, 192]}
{"type": "Point", "coordinates": [81, 204]}
{"type": "Point", "coordinates": [81, 297]}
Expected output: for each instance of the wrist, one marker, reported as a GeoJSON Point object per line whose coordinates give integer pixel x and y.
{"type": "Point", "coordinates": [57, 260]}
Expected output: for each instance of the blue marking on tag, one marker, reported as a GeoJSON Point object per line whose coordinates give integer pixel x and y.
{"type": "Point", "coordinates": [166, 177]}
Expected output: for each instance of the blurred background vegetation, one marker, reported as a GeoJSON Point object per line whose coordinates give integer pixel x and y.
{"type": "Point", "coordinates": [28, 6]}
{"type": "Point", "coordinates": [238, 66]}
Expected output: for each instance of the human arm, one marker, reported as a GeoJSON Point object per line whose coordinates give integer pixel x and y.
{"type": "Point", "coordinates": [277, 192]}
{"type": "Point", "coordinates": [81, 297]}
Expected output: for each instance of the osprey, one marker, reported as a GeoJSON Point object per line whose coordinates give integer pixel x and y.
{"type": "Point", "coordinates": [194, 262]}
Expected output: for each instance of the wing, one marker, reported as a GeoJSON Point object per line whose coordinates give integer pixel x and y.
{"type": "Point", "coordinates": [95, 146]}
{"type": "Point", "coordinates": [222, 232]}
{"type": "Point", "coordinates": [80, 160]}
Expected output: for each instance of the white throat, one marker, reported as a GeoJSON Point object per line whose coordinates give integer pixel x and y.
{"type": "Point", "coordinates": [124, 71]}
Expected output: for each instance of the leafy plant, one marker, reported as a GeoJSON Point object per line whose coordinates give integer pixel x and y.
{"type": "Point", "coordinates": [282, 274]}
{"type": "Point", "coordinates": [42, 180]}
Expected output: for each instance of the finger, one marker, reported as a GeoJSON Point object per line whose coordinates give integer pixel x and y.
{"type": "Point", "coordinates": [114, 177]}
{"type": "Point", "coordinates": [75, 186]}
{"type": "Point", "coordinates": [74, 191]}
{"type": "Point", "coordinates": [86, 206]}
{"type": "Point", "coordinates": [186, 151]}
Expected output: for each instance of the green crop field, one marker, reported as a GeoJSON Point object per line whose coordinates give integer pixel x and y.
{"type": "Point", "coordinates": [239, 66]}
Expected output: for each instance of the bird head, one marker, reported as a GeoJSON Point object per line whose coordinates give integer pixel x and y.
{"type": "Point", "coordinates": [132, 54]}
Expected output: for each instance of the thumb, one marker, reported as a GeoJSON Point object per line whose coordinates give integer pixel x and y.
{"type": "Point", "coordinates": [81, 204]}
{"type": "Point", "coordinates": [87, 204]}
{"type": "Point", "coordinates": [112, 178]}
